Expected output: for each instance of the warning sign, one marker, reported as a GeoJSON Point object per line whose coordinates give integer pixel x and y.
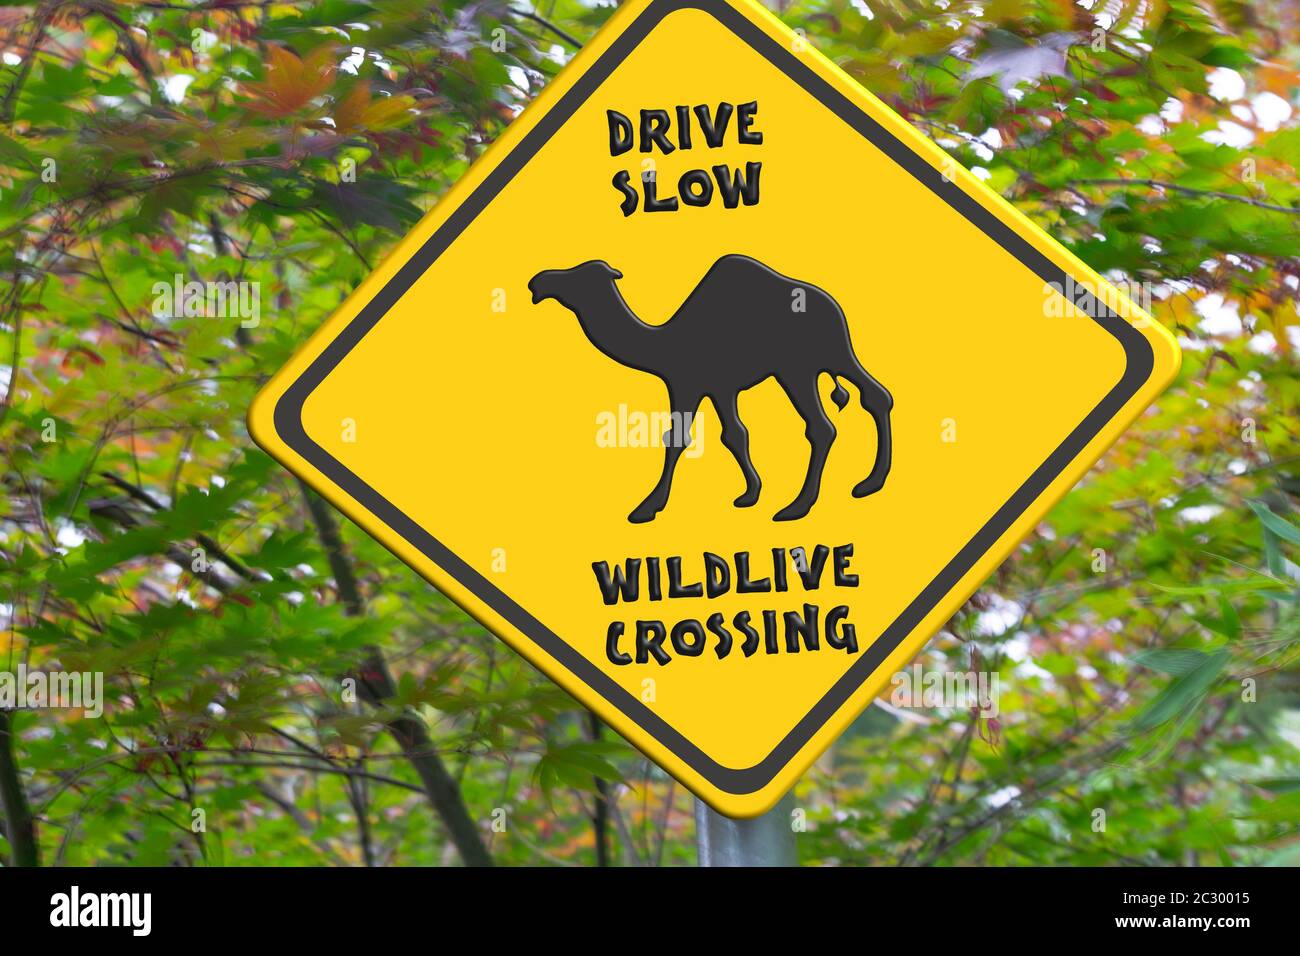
{"type": "Point", "coordinates": [714, 389]}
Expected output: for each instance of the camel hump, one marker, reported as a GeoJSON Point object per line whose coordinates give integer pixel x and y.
{"type": "Point", "coordinates": [753, 279]}
{"type": "Point", "coordinates": [740, 284]}
{"type": "Point", "coordinates": [742, 269]}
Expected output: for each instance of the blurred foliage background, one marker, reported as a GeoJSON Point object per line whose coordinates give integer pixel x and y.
{"type": "Point", "coordinates": [1145, 638]}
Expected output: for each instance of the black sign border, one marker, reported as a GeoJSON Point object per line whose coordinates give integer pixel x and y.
{"type": "Point", "coordinates": [288, 410]}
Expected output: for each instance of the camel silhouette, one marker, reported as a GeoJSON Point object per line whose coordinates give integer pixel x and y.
{"type": "Point", "coordinates": [742, 324]}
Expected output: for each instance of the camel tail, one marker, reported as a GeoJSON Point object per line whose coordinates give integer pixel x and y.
{"type": "Point", "coordinates": [840, 396]}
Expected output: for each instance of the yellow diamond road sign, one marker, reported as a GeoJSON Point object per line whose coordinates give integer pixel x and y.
{"type": "Point", "coordinates": [714, 389]}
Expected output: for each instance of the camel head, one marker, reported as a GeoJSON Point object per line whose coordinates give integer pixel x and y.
{"type": "Point", "coordinates": [566, 286]}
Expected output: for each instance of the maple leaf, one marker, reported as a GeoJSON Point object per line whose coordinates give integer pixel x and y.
{"type": "Point", "coordinates": [1283, 319]}
{"type": "Point", "coordinates": [359, 110]}
{"type": "Point", "coordinates": [291, 82]}
{"type": "Point", "coordinates": [225, 142]}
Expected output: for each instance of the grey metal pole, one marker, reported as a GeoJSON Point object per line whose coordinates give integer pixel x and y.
{"type": "Point", "coordinates": [763, 841]}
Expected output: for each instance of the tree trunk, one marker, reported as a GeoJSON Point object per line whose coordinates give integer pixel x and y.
{"type": "Point", "coordinates": [20, 827]}
{"type": "Point", "coordinates": [375, 684]}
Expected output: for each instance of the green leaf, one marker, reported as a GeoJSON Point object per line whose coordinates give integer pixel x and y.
{"type": "Point", "coordinates": [1279, 526]}
{"type": "Point", "coordinates": [1273, 555]}
{"type": "Point", "coordinates": [1228, 617]}
{"type": "Point", "coordinates": [1175, 661]}
{"type": "Point", "coordinates": [1233, 57]}
{"type": "Point", "coordinates": [373, 202]}
{"type": "Point", "coordinates": [577, 765]}
{"type": "Point", "coordinates": [1184, 694]}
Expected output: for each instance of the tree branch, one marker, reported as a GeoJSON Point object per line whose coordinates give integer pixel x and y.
{"type": "Point", "coordinates": [1187, 191]}
{"type": "Point", "coordinates": [600, 818]}
{"type": "Point", "coordinates": [548, 26]}
{"type": "Point", "coordinates": [207, 542]}
{"type": "Point", "coordinates": [376, 686]}
{"type": "Point", "coordinates": [10, 101]}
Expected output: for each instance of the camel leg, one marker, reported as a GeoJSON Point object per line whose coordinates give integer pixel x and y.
{"type": "Point", "coordinates": [820, 432]}
{"type": "Point", "coordinates": [736, 437]}
{"type": "Point", "coordinates": [674, 445]}
{"type": "Point", "coordinates": [878, 402]}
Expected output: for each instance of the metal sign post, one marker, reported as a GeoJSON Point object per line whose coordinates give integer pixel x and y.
{"type": "Point", "coordinates": [766, 840]}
